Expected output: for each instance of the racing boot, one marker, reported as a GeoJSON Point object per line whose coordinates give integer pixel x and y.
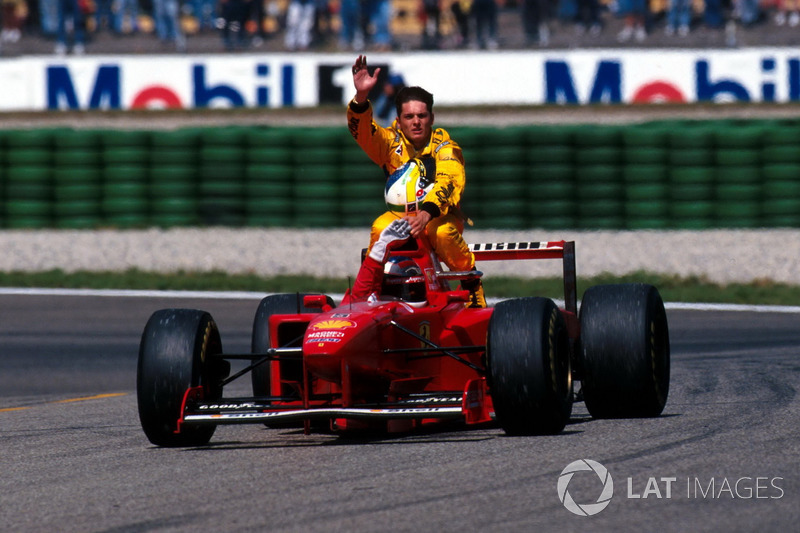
{"type": "Point", "coordinates": [475, 288]}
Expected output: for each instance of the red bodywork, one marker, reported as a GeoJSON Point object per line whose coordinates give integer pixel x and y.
{"type": "Point", "coordinates": [382, 362]}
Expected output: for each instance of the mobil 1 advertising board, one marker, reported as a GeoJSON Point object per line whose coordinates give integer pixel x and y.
{"type": "Point", "coordinates": [575, 77]}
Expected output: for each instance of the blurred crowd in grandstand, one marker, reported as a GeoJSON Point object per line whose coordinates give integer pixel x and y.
{"type": "Point", "coordinates": [207, 26]}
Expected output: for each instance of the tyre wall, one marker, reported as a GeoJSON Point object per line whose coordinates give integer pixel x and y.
{"type": "Point", "coordinates": [656, 175]}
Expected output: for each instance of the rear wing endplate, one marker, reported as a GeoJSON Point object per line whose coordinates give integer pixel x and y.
{"type": "Point", "coordinates": [564, 250]}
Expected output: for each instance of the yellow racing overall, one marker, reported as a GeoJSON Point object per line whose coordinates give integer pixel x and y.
{"type": "Point", "coordinates": [389, 149]}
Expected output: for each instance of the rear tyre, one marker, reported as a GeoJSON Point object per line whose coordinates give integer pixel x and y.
{"type": "Point", "coordinates": [176, 352]}
{"type": "Point", "coordinates": [275, 304]}
{"type": "Point", "coordinates": [528, 365]}
{"type": "Point", "coordinates": [624, 351]}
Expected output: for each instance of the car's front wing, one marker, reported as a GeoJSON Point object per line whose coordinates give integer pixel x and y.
{"type": "Point", "coordinates": [473, 405]}
{"type": "Point", "coordinates": [325, 413]}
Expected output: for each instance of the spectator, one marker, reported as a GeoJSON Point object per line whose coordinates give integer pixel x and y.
{"type": "Point", "coordinates": [70, 10]}
{"type": "Point", "coordinates": [789, 7]}
{"type": "Point", "coordinates": [535, 14]}
{"type": "Point", "coordinates": [127, 9]}
{"type": "Point", "coordinates": [588, 17]}
{"type": "Point", "coordinates": [350, 14]}
{"type": "Point", "coordinates": [205, 11]}
{"type": "Point", "coordinates": [485, 23]}
{"type": "Point", "coordinates": [13, 17]}
{"type": "Point", "coordinates": [634, 12]}
{"type": "Point", "coordinates": [299, 23]}
{"type": "Point", "coordinates": [679, 17]}
{"type": "Point", "coordinates": [168, 26]}
{"type": "Point", "coordinates": [747, 11]}
{"type": "Point", "coordinates": [234, 16]}
{"type": "Point", "coordinates": [712, 15]}
{"type": "Point", "coordinates": [379, 15]}
{"type": "Point", "coordinates": [431, 35]}
{"type": "Point", "coordinates": [256, 16]}
{"type": "Point", "coordinates": [104, 15]}
{"type": "Point", "coordinates": [48, 17]}
{"type": "Point", "coordinates": [461, 12]}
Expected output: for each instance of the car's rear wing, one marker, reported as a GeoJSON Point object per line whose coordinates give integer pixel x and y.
{"type": "Point", "coordinates": [564, 250]}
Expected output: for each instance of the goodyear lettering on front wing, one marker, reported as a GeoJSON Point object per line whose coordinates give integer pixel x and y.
{"type": "Point", "coordinates": [433, 399]}
{"type": "Point", "coordinates": [216, 406]}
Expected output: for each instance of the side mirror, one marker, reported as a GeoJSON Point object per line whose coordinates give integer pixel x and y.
{"type": "Point", "coordinates": [315, 301]}
{"type": "Point", "coordinates": [457, 296]}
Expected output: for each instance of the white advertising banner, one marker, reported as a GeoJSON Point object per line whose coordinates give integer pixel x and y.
{"type": "Point", "coordinates": [574, 77]}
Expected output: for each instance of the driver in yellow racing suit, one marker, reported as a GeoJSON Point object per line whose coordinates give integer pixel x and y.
{"type": "Point", "coordinates": [412, 136]}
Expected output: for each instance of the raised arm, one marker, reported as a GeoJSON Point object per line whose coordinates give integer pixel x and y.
{"type": "Point", "coordinates": [362, 80]}
{"type": "Point", "coordinates": [370, 275]}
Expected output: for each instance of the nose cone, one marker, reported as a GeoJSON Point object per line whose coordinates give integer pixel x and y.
{"type": "Point", "coordinates": [336, 336]}
{"type": "Point", "coordinates": [328, 335]}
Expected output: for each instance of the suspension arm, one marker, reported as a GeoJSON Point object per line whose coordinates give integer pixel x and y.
{"type": "Point", "coordinates": [444, 350]}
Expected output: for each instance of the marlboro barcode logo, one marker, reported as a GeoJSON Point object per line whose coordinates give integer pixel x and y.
{"type": "Point", "coordinates": [507, 246]}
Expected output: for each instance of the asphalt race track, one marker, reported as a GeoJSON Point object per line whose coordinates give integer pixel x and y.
{"type": "Point", "coordinates": [724, 457]}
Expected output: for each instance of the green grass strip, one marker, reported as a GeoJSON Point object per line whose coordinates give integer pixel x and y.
{"type": "Point", "coordinates": [672, 288]}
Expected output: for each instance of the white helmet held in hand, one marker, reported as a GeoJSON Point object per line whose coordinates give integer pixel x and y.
{"type": "Point", "coordinates": [407, 187]}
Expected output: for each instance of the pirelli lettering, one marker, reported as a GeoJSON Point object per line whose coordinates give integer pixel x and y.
{"type": "Point", "coordinates": [499, 246]}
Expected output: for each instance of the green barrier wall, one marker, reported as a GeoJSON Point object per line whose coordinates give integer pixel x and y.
{"type": "Point", "coordinates": [657, 175]}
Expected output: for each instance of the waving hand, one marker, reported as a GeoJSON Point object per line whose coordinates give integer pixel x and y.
{"type": "Point", "coordinates": [362, 80]}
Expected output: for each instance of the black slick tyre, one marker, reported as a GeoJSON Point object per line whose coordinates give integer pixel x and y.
{"type": "Point", "coordinates": [177, 352]}
{"type": "Point", "coordinates": [625, 354]}
{"type": "Point", "coordinates": [528, 367]}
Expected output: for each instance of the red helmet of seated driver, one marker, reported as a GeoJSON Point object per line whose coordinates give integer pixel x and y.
{"type": "Point", "coordinates": [403, 279]}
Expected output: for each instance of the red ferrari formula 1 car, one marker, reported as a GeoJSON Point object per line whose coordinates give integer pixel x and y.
{"type": "Point", "coordinates": [397, 363]}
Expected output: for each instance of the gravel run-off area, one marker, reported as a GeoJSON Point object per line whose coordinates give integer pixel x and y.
{"type": "Point", "coordinates": [722, 256]}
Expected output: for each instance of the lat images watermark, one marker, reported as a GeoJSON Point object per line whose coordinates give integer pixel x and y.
{"type": "Point", "coordinates": [657, 487]}
{"type": "Point", "coordinates": [585, 509]}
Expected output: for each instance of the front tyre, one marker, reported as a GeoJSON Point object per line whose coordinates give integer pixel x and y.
{"type": "Point", "coordinates": [528, 367]}
{"type": "Point", "coordinates": [625, 351]}
{"type": "Point", "coordinates": [276, 304]}
{"type": "Point", "coordinates": [176, 353]}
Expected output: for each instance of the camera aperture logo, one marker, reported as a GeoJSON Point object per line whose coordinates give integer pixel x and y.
{"type": "Point", "coordinates": [585, 509]}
